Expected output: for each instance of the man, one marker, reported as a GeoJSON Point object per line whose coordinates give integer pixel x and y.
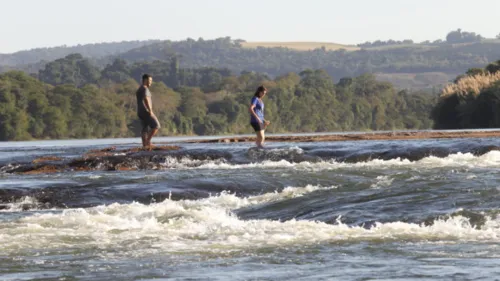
{"type": "Point", "coordinates": [150, 124]}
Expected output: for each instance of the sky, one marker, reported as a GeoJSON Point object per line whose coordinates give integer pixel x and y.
{"type": "Point", "coordinates": [27, 24]}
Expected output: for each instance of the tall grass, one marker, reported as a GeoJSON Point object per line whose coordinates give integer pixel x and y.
{"type": "Point", "coordinates": [471, 85]}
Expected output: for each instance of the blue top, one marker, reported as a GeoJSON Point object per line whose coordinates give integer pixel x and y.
{"type": "Point", "coordinates": [259, 110]}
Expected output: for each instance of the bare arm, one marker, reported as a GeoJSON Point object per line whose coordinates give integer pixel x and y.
{"type": "Point", "coordinates": [147, 101]}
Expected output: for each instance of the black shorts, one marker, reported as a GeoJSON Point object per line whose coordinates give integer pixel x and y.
{"type": "Point", "coordinates": [149, 121]}
{"type": "Point", "coordinates": [257, 126]}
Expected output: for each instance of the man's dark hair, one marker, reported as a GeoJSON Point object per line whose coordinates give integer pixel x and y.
{"type": "Point", "coordinates": [145, 77]}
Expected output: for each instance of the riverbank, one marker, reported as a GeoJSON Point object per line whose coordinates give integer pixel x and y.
{"type": "Point", "coordinates": [402, 135]}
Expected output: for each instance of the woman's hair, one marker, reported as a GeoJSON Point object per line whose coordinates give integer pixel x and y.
{"type": "Point", "coordinates": [260, 90]}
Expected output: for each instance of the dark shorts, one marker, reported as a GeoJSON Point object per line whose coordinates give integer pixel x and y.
{"type": "Point", "coordinates": [149, 121]}
{"type": "Point", "coordinates": [257, 126]}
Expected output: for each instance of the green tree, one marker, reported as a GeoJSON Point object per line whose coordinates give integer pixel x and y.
{"type": "Point", "coordinates": [463, 108]}
{"type": "Point", "coordinates": [118, 71]}
{"type": "Point", "coordinates": [56, 126]}
{"type": "Point", "coordinates": [309, 101]}
{"type": "Point", "coordinates": [493, 67]}
{"type": "Point", "coordinates": [462, 37]}
{"type": "Point", "coordinates": [193, 103]}
{"type": "Point", "coordinates": [72, 69]}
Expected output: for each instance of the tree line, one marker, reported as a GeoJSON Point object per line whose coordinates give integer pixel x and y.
{"type": "Point", "coordinates": [79, 71]}
{"type": "Point", "coordinates": [460, 50]}
{"type": "Point", "coordinates": [453, 37]}
{"type": "Point", "coordinates": [228, 53]}
{"type": "Point", "coordinates": [71, 98]}
{"type": "Point", "coordinates": [472, 101]}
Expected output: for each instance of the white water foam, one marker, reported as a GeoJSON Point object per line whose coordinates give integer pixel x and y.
{"type": "Point", "coordinates": [275, 152]}
{"type": "Point", "coordinates": [382, 181]}
{"type": "Point", "coordinates": [20, 205]}
{"type": "Point", "coordinates": [209, 226]}
{"type": "Point", "coordinates": [459, 160]}
{"type": "Point", "coordinates": [186, 162]}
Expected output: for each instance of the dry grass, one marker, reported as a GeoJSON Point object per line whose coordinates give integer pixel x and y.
{"type": "Point", "coordinates": [471, 85]}
{"type": "Point", "coordinates": [300, 46]}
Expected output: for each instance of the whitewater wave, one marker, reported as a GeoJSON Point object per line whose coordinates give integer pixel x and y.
{"type": "Point", "coordinates": [382, 181]}
{"type": "Point", "coordinates": [458, 160]}
{"type": "Point", "coordinates": [292, 158]}
{"type": "Point", "coordinates": [24, 203]}
{"type": "Point", "coordinates": [210, 226]}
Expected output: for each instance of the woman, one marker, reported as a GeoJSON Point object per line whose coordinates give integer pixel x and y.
{"type": "Point", "coordinates": [257, 120]}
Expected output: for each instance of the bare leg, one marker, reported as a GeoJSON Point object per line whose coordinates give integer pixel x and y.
{"type": "Point", "coordinates": [260, 138]}
{"type": "Point", "coordinates": [144, 136]}
{"type": "Point", "coordinates": [150, 136]}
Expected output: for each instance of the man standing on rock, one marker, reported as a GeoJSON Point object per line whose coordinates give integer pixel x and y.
{"type": "Point", "coordinates": [150, 124]}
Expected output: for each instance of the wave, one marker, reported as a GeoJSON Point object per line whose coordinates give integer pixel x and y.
{"type": "Point", "coordinates": [454, 161]}
{"type": "Point", "coordinates": [465, 160]}
{"type": "Point", "coordinates": [22, 204]}
{"type": "Point", "coordinates": [210, 226]}
{"type": "Point", "coordinates": [306, 158]}
{"type": "Point", "coordinates": [96, 188]}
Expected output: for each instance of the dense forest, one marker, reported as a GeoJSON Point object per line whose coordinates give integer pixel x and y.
{"type": "Point", "coordinates": [473, 101]}
{"type": "Point", "coordinates": [454, 37]}
{"type": "Point", "coordinates": [73, 98]}
{"type": "Point", "coordinates": [404, 63]}
{"type": "Point", "coordinates": [447, 58]}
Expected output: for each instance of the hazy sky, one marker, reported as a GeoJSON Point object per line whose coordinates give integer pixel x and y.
{"type": "Point", "coordinates": [26, 24]}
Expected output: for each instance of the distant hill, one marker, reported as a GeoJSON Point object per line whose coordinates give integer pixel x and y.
{"type": "Point", "coordinates": [300, 46]}
{"type": "Point", "coordinates": [417, 64]}
{"type": "Point", "coordinates": [98, 50]}
{"type": "Point", "coordinates": [404, 63]}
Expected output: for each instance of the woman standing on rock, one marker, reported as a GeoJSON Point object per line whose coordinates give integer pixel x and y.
{"type": "Point", "coordinates": [257, 120]}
